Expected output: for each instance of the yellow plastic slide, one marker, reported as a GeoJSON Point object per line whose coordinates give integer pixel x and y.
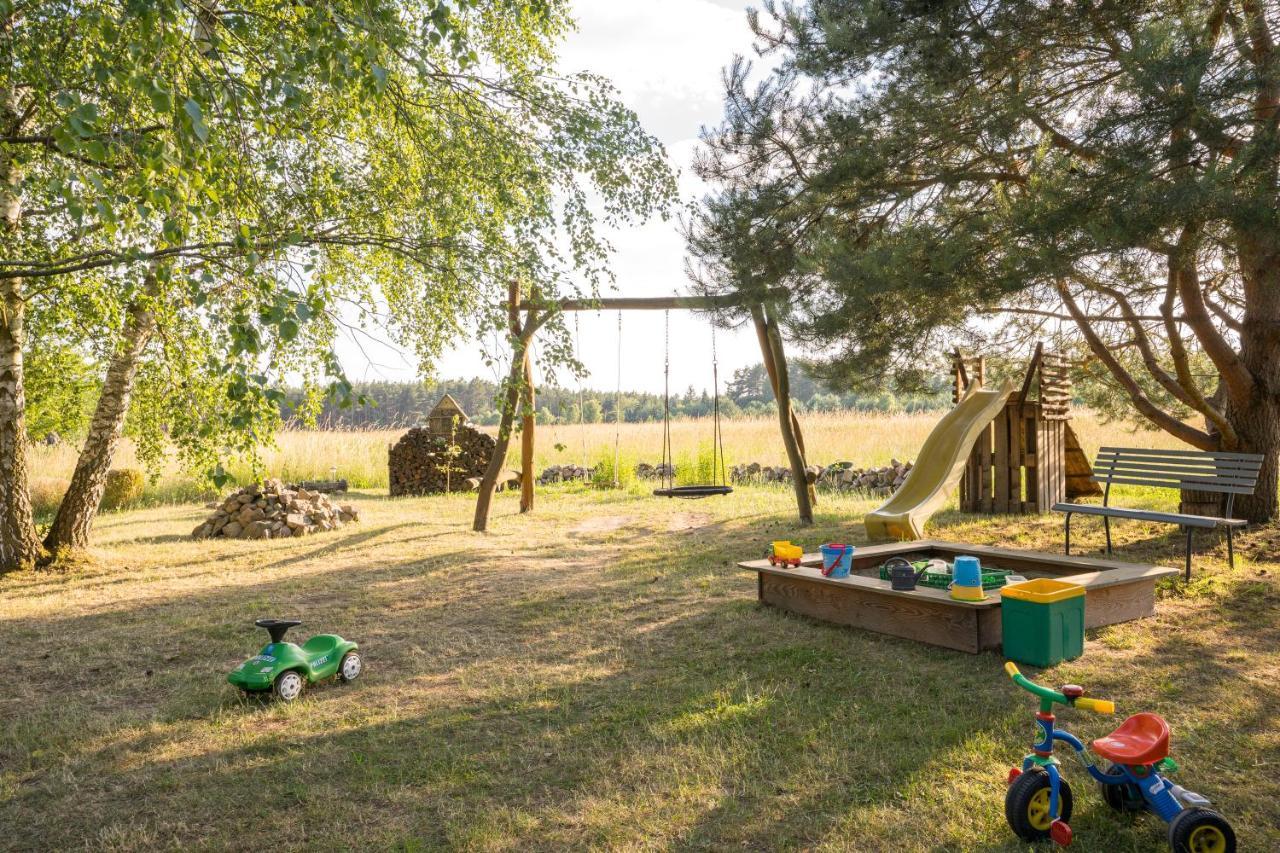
{"type": "Point", "coordinates": [938, 467]}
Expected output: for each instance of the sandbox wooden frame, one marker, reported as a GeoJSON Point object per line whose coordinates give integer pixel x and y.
{"type": "Point", "coordinates": [1115, 592]}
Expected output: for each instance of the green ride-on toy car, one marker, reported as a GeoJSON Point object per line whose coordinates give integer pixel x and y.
{"type": "Point", "coordinates": [285, 668]}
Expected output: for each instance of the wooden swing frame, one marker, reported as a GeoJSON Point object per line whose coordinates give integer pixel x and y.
{"type": "Point", "coordinates": [527, 313]}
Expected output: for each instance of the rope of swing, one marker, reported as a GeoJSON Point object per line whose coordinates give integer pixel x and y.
{"type": "Point", "coordinates": [668, 473]}
{"type": "Point", "coordinates": [582, 428]}
{"type": "Point", "coordinates": [617, 408]}
{"type": "Point", "coordinates": [717, 439]}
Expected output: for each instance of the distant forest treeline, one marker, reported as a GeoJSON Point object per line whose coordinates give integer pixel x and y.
{"type": "Point", "coordinates": [747, 393]}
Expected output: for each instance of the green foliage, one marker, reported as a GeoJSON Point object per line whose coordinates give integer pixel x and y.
{"type": "Point", "coordinates": [402, 404]}
{"type": "Point", "coordinates": [61, 388]}
{"type": "Point", "coordinates": [252, 179]}
{"type": "Point", "coordinates": [603, 475]}
{"type": "Point", "coordinates": [123, 488]}
{"type": "Point", "coordinates": [699, 468]}
{"type": "Point", "coordinates": [921, 175]}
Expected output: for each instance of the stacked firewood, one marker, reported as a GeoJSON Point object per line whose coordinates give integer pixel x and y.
{"type": "Point", "coordinates": [428, 461]}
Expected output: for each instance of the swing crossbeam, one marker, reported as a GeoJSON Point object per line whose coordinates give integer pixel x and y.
{"type": "Point", "coordinates": [649, 303]}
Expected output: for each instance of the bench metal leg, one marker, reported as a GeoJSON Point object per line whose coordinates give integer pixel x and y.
{"type": "Point", "coordinates": [1106, 525]}
{"type": "Point", "coordinates": [1066, 535]}
{"type": "Point", "coordinates": [1231, 551]}
{"type": "Point", "coordinates": [1190, 530]}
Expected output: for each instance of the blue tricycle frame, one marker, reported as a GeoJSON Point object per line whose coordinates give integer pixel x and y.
{"type": "Point", "coordinates": [1039, 802]}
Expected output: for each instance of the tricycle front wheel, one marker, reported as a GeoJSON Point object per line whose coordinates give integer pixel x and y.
{"type": "Point", "coordinates": [1198, 830]}
{"type": "Point", "coordinates": [1026, 806]}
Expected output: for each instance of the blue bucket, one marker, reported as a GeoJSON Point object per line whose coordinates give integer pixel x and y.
{"type": "Point", "coordinates": [837, 560]}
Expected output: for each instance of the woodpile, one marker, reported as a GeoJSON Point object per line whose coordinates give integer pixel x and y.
{"type": "Point", "coordinates": [329, 487]}
{"type": "Point", "coordinates": [446, 455]}
{"type": "Point", "coordinates": [274, 510]}
{"type": "Point", "coordinates": [841, 476]}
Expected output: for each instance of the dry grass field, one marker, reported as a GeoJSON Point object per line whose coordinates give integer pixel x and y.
{"type": "Point", "coordinates": [595, 675]}
{"type": "Point", "coordinates": [361, 456]}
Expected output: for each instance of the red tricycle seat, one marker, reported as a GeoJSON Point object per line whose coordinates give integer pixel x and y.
{"type": "Point", "coordinates": [1141, 739]}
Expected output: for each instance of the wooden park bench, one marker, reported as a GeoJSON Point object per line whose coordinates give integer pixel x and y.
{"type": "Point", "coordinates": [1202, 471]}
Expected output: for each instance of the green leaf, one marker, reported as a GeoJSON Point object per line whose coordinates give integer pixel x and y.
{"type": "Point", "coordinates": [196, 115]}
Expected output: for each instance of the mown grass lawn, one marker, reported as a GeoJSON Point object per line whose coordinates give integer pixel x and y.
{"type": "Point", "coordinates": [597, 674]}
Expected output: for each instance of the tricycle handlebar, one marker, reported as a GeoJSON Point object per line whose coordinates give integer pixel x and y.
{"type": "Point", "coordinates": [1049, 697]}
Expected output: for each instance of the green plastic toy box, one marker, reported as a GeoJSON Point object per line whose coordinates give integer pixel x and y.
{"type": "Point", "coordinates": [1042, 621]}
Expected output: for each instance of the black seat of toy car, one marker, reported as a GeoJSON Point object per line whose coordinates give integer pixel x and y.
{"type": "Point", "coordinates": [277, 627]}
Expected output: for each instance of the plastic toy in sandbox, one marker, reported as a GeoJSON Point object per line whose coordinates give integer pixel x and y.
{"type": "Point", "coordinates": [1039, 801]}
{"type": "Point", "coordinates": [783, 553]}
{"type": "Point", "coordinates": [837, 559]}
{"type": "Point", "coordinates": [285, 669]}
{"type": "Point", "coordinates": [905, 573]}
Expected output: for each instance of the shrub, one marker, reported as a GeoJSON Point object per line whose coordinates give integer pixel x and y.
{"type": "Point", "coordinates": [701, 469]}
{"type": "Point", "coordinates": [602, 474]}
{"type": "Point", "coordinates": [46, 495]}
{"type": "Point", "coordinates": [124, 488]}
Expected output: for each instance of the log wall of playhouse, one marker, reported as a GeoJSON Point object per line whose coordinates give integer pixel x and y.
{"type": "Point", "coordinates": [1028, 458]}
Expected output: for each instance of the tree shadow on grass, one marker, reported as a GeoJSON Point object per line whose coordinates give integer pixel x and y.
{"type": "Point", "coordinates": [593, 703]}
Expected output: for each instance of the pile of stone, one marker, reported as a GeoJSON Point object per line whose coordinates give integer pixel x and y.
{"type": "Point", "coordinates": [877, 481]}
{"type": "Point", "coordinates": [565, 474]}
{"type": "Point", "coordinates": [274, 510]}
{"type": "Point", "coordinates": [841, 476]}
{"type": "Point", "coordinates": [646, 471]}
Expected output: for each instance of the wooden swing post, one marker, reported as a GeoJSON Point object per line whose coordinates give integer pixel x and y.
{"type": "Point", "coordinates": [516, 391]}
{"type": "Point", "coordinates": [775, 364]}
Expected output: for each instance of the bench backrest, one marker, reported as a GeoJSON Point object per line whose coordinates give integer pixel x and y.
{"type": "Point", "coordinates": [1200, 470]}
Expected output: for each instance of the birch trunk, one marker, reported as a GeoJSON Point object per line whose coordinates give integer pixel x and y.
{"type": "Point", "coordinates": [74, 522]}
{"type": "Point", "coordinates": [19, 544]}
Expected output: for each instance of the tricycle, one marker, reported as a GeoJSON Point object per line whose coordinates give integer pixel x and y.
{"type": "Point", "coordinates": [285, 668]}
{"type": "Point", "coordinates": [1039, 801]}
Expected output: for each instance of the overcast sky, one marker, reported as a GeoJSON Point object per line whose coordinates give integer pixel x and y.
{"type": "Point", "coordinates": [665, 57]}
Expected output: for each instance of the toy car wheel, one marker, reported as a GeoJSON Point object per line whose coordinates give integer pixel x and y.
{"type": "Point", "coordinates": [1121, 797]}
{"type": "Point", "coordinates": [351, 667]}
{"type": "Point", "coordinates": [1026, 805]}
{"type": "Point", "coordinates": [288, 685]}
{"type": "Point", "coordinates": [1198, 830]}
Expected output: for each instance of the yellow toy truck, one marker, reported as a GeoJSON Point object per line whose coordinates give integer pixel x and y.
{"type": "Point", "coordinates": [783, 553]}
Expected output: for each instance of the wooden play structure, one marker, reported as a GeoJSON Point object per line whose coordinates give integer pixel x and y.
{"type": "Point", "coordinates": [1028, 458]}
{"type": "Point", "coordinates": [528, 311]}
{"type": "Point", "coordinates": [1007, 448]}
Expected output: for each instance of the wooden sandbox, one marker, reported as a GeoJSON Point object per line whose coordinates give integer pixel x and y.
{"type": "Point", "coordinates": [1115, 592]}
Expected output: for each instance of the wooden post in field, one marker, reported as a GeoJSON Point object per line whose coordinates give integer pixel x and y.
{"type": "Point", "coordinates": [775, 362]}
